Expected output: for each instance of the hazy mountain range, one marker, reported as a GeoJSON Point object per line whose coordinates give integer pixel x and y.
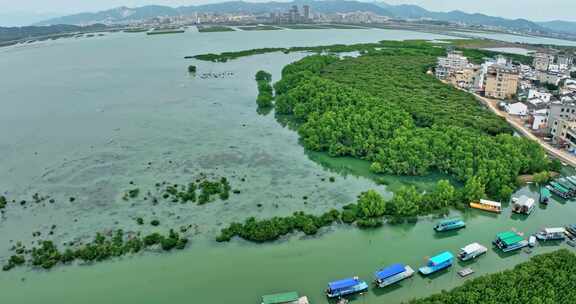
{"type": "Point", "coordinates": [125, 14]}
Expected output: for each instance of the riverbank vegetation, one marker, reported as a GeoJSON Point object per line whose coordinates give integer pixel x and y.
{"type": "Point", "coordinates": [265, 90]}
{"type": "Point", "coordinates": [101, 248]}
{"type": "Point", "coordinates": [363, 48]}
{"type": "Point", "coordinates": [369, 211]}
{"type": "Point", "coordinates": [259, 28]}
{"type": "Point", "coordinates": [384, 107]}
{"type": "Point", "coordinates": [546, 278]}
{"type": "Point", "coordinates": [215, 28]}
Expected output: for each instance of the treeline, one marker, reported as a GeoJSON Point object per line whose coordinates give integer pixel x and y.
{"type": "Point", "coordinates": [265, 90]}
{"type": "Point", "coordinates": [31, 32]}
{"type": "Point", "coordinates": [48, 255]}
{"type": "Point", "coordinates": [335, 48]}
{"type": "Point", "coordinates": [384, 108]}
{"type": "Point", "coordinates": [369, 211]}
{"type": "Point", "coordinates": [546, 278]}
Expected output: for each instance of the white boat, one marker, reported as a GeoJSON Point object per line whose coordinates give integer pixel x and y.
{"type": "Point", "coordinates": [392, 274]}
{"type": "Point", "coordinates": [523, 204]}
{"type": "Point", "coordinates": [549, 234]}
{"type": "Point", "coordinates": [532, 241]}
{"type": "Point", "coordinates": [471, 251]}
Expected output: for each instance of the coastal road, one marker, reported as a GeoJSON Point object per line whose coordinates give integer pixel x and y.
{"type": "Point", "coordinates": [519, 126]}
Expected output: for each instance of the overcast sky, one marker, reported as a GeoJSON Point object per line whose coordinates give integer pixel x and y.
{"type": "Point", "coordinates": [539, 10]}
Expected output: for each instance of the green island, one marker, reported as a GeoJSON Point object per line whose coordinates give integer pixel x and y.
{"type": "Point", "coordinates": [265, 90]}
{"type": "Point", "coordinates": [385, 108]}
{"type": "Point", "coordinates": [434, 48]}
{"type": "Point", "coordinates": [214, 28]}
{"type": "Point", "coordinates": [259, 28]}
{"type": "Point", "coordinates": [546, 278]}
{"type": "Point", "coordinates": [48, 255]}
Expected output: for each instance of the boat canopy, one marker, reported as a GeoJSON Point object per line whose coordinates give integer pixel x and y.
{"type": "Point", "coordinates": [490, 203]}
{"type": "Point", "coordinates": [554, 230]}
{"type": "Point", "coordinates": [512, 240]}
{"type": "Point", "coordinates": [473, 248]}
{"type": "Point", "coordinates": [343, 284]}
{"type": "Point", "coordinates": [279, 298]}
{"type": "Point", "coordinates": [441, 258]}
{"type": "Point", "coordinates": [525, 201]}
{"type": "Point", "coordinates": [505, 235]}
{"type": "Point", "coordinates": [450, 221]}
{"type": "Point", "coordinates": [390, 271]}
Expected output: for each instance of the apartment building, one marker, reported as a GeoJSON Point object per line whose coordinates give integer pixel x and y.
{"type": "Point", "coordinates": [501, 82]}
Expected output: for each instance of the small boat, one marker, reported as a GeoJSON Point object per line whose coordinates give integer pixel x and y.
{"type": "Point", "coordinates": [571, 243]}
{"type": "Point", "coordinates": [566, 193]}
{"type": "Point", "coordinates": [509, 241]}
{"type": "Point", "coordinates": [437, 263]}
{"type": "Point", "coordinates": [532, 241]}
{"type": "Point", "coordinates": [523, 205]}
{"type": "Point", "coordinates": [345, 287]}
{"type": "Point", "coordinates": [451, 224]}
{"type": "Point", "coordinates": [571, 231]}
{"type": "Point", "coordinates": [544, 195]}
{"type": "Point", "coordinates": [487, 205]}
{"type": "Point", "coordinates": [560, 193]}
{"type": "Point", "coordinates": [551, 234]}
{"type": "Point", "coordinates": [284, 298]}
{"type": "Point", "coordinates": [471, 251]}
{"type": "Point", "coordinates": [571, 179]}
{"type": "Point", "coordinates": [392, 274]}
{"type": "Point", "coordinates": [465, 272]}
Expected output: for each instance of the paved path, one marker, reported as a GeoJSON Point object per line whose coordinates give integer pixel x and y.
{"type": "Point", "coordinates": [562, 155]}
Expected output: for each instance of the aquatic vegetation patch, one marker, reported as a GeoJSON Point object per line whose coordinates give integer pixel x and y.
{"type": "Point", "coordinates": [48, 255]}
{"type": "Point", "coordinates": [265, 90]}
{"type": "Point", "coordinates": [200, 191]}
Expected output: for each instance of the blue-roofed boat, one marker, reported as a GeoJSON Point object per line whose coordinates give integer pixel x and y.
{"type": "Point", "coordinates": [451, 224]}
{"type": "Point", "coordinates": [345, 287]}
{"type": "Point", "coordinates": [438, 262]}
{"type": "Point", "coordinates": [392, 274]}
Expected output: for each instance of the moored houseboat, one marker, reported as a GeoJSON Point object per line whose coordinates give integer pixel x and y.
{"type": "Point", "coordinates": [487, 205]}
{"type": "Point", "coordinates": [560, 193]}
{"type": "Point", "coordinates": [392, 274]}
{"type": "Point", "coordinates": [510, 241]}
{"type": "Point", "coordinates": [437, 263]}
{"type": "Point", "coordinates": [450, 224]}
{"type": "Point", "coordinates": [561, 188]}
{"type": "Point", "coordinates": [471, 251]}
{"type": "Point", "coordinates": [544, 195]}
{"type": "Point", "coordinates": [345, 287]}
{"type": "Point", "coordinates": [572, 179]}
{"type": "Point", "coordinates": [523, 205]}
{"type": "Point", "coordinates": [566, 184]}
{"type": "Point", "coordinates": [571, 231]}
{"type": "Point", "coordinates": [551, 234]}
{"type": "Point", "coordinates": [284, 298]}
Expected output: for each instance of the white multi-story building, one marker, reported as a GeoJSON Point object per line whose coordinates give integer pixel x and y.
{"type": "Point", "coordinates": [454, 61]}
{"type": "Point", "coordinates": [542, 61]}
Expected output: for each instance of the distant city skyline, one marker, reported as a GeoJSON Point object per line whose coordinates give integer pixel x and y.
{"type": "Point", "coordinates": [29, 11]}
